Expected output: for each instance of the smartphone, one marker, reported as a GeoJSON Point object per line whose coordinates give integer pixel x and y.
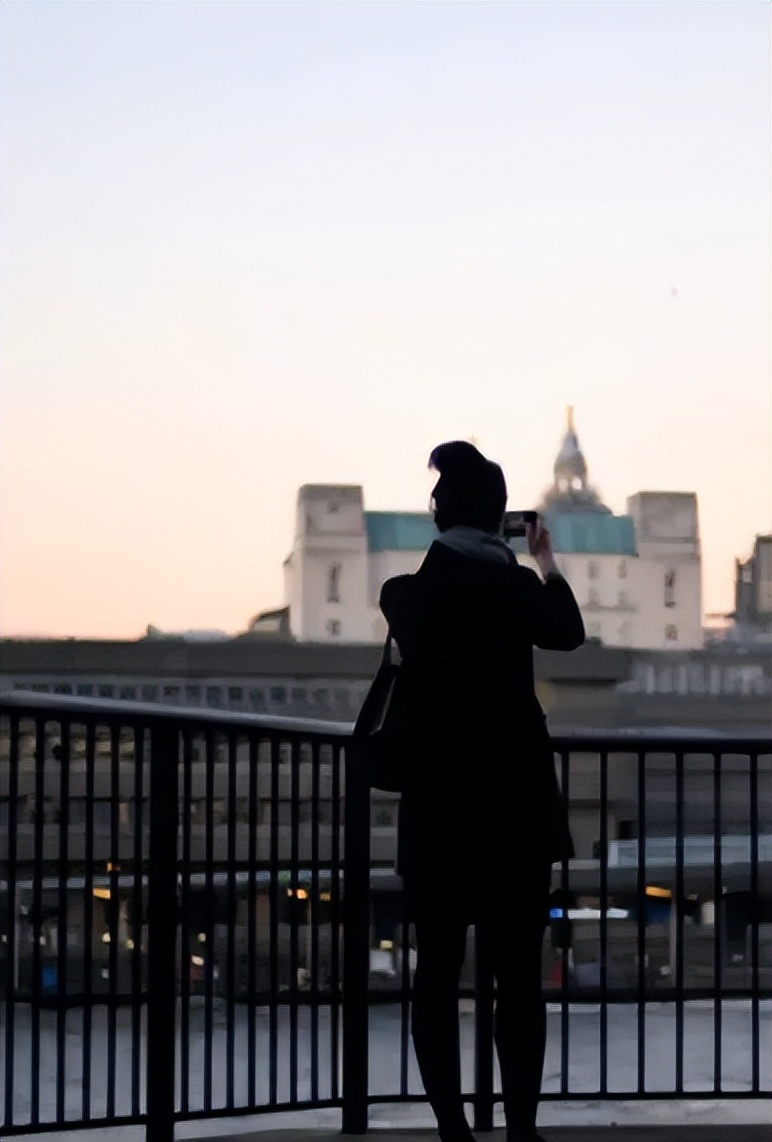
{"type": "Point", "coordinates": [514, 523]}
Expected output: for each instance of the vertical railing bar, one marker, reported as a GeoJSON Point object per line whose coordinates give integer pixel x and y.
{"type": "Point", "coordinates": [677, 919]}
{"type": "Point", "coordinates": [603, 928]}
{"type": "Point", "coordinates": [211, 753]}
{"type": "Point", "coordinates": [404, 1068]}
{"type": "Point", "coordinates": [114, 920]}
{"type": "Point", "coordinates": [63, 907]}
{"type": "Point", "coordinates": [753, 775]}
{"type": "Point", "coordinates": [230, 1010]}
{"type": "Point", "coordinates": [356, 903]}
{"type": "Point", "coordinates": [273, 1012]}
{"type": "Point", "coordinates": [88, 925]}
{"type": "Point", "coordinates": [483, 1030]}
{"type": "Point", "coordinates": [295, 911]}
{"type": "Point", "coordinates": [136, 922]}
{"type": "Point", "coordinates": [162, 932]}
{"type": "Point", "coordinates": [252, 921]}
{"type": "Point", "coordinates": [565, 990]}
{"type": "Point", "coordinates": [641, 913]}
{"type": "Point", "coordinates": [335, 916]}
{"type": "Point", "coordinates": [718, 921]}
{"type": "Point", "coordinates": [37, 911]}
{"type": "Point", "coordinates": [315, 913]}
{"type": "Point", "coordinates": [185, 917]}
{"type": "Point", "coordinates": [10, 985]}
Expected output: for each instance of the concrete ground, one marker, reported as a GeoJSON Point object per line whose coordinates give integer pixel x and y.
{"type": "Point", "coordinates": [727, 1132]}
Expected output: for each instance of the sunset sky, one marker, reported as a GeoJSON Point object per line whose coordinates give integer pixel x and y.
{"type": "Point", "coordinates": [251, 245]}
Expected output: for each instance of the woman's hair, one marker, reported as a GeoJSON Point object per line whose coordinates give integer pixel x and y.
{"type": "Point", "coordinates": [471, 491]}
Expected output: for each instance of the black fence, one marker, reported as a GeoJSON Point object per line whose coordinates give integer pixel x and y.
{"type": "Point", "coordinates": [191, 924]}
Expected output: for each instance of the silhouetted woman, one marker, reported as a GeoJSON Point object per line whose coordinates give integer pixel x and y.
{"type": "Point", "coordinates": [481, 817]}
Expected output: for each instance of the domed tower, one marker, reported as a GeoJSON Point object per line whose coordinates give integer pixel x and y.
{"type": "Point", "coordinates": [570, 466]}
{"type": "Point", "coordinates": [570, 491]}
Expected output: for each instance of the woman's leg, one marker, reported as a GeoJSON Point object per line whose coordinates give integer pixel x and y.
{"type": "Point", "coordinates": [521, 1023]}
{"type": "Point", "coordinates": [440, 948]}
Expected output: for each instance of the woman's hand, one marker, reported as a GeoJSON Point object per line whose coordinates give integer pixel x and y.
{"type": "Point", "coordinates": [540, 547]}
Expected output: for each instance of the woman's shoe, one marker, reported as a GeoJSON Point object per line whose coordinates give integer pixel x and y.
{"type": "Point", "coordinates": [459, 1133]}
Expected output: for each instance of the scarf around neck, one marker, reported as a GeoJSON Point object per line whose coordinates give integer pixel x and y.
{"type": "Point", "coordinates": [477, 544]}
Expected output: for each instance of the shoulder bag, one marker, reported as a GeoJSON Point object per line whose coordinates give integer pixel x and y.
{"type": "Point", "coordinates": [380, 736]}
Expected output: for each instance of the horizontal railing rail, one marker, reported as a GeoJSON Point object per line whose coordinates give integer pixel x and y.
{"type": "Point", "coordinates": [191, 924]}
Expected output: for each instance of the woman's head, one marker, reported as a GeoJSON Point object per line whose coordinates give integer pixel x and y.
{"type": "Point", "coordinates": [471, 491]}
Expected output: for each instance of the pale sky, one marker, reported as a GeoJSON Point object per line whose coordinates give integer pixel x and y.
{"type": "Point", "coordinates": [251, 245]}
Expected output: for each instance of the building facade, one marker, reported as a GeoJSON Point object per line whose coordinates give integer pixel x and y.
{"type": "Point", "coordinates": [637, 576]}
{"type": "Point", "coordinates": [753, 588]}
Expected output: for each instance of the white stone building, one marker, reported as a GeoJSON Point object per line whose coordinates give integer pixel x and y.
{"type": "Point", "coordinates": [637, 576]}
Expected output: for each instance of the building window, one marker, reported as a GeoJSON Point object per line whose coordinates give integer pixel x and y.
{"type": "Point", "coordinates": [593, 596]}
{"type": "Point", "coordinates": [213, 696]}
{"type": "Point", "coordinates": [83, 690]}
{"type": "Point", "coordinates": [171, 694]}
{"type": "Point", "coordinates": [236, 696]}
{"type": "Point", "coordinates": [333, 583]}
{"type": "Point", "coordinates": [593, 570]}
{"type": "Point", "coordinates": [333, 627]}
{"type": "Point", "coordinates": [192, 695]}
{"type": "Point", "coordinates": [671, 632]}
{"type": "Point", "coordinates": [257, 699]}
{"type": "Point", "coordinates": [622, 569]}
{"type": "Point", "coordinates": [670, 588]}
{"type": "Point", "coordinates": [128, 693]}
{"type": "Point", "coordinates": [106, 691]}
{"type": "Point", "coordinates": [278, 695]}
{"type": "Point", "coordinates": [149, 693]}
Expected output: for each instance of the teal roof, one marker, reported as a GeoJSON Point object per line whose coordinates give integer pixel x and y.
{"type": "Point", "coordinates": [399, 531]}
{"type": "Point", "coordinates": [591, 533]}
{"type": "Point", "coordinates": [577, 533]}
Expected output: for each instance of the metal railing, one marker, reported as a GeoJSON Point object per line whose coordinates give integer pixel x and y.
{"type": "Point", "coordinates": [190, 926]}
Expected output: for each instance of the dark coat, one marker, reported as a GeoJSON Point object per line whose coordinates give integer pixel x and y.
{"type": "Point", "coordinates": [480, 792]}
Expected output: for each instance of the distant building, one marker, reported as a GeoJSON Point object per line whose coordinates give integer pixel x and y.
{"type": "Point", "coordinates": [722, 687]}
{"type": "Point", "coordinates": [637, 576]}
{"type": "Point", "coordinates": [753, 589]}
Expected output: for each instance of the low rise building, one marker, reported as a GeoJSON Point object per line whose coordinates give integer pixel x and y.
{"type": "Point", "coordinates": [753, 590]}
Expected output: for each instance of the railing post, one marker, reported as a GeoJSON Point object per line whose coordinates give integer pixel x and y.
{"type": "Point", "coordinates": [356, 946]}
{"type": "Point", "coordinates": [162, 934]}
{"type": "Point", "coordinates": [483, 1033]}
